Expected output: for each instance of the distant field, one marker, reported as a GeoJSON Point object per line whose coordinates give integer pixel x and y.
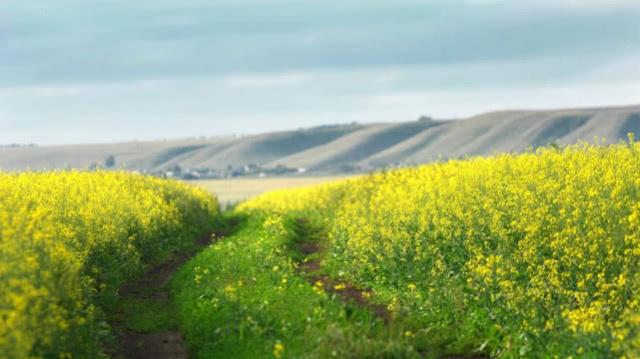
{"type": "Point", "coordinates": [231, 191]}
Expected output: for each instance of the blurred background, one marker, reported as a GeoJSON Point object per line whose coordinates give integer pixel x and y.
{"type": "Point", "coordinates": [199, 89]}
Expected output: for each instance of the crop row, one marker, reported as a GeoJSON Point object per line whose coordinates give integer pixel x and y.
{"type": "Point", "coordinates": [68, 240]}
{"type": "Point", "coordinates": [532, 255]}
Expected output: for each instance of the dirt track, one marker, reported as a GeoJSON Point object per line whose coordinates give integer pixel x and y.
{"type": "Point", "coordinates": [312, 250]}
{"type": "Point", "coordinates": [153, 286]}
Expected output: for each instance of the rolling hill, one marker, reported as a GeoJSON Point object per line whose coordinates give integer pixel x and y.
{"type": "Point", "coordinates": [345, 148]}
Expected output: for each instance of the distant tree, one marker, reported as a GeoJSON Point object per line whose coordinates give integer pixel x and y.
{"type": "Point", "coordinates": [425, 118]}
{"type": "Point", "coordinates": [110, 161]}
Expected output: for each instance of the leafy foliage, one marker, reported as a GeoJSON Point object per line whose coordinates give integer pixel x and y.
{"type": "Point", "coordinates": [68, 240]}
{"type": "Point", "coordinates": [529, 255]}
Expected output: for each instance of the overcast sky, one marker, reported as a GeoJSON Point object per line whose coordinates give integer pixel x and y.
{"type": "Point", "coordinates": [75, 71]}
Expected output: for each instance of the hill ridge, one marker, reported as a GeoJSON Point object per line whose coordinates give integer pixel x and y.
{"type": "Point", "coordinates": [342, 148]}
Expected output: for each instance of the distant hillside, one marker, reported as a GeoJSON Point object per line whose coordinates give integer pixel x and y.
{"type": "Point", "coordinates": [343, 148]}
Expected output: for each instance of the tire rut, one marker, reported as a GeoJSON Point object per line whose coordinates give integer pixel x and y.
{"type": "Point", "coordinates": [153, 287]}
{"type": "Point", "coordinates": [311, 264]}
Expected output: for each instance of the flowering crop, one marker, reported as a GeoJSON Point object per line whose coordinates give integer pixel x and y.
{"type": "Point", "coordinates": [535, 254]}
{"type": "Point", "coordinates": [68, 240]}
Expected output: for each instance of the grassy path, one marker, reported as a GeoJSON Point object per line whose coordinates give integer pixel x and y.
{"type": "Point", "coordinates": [255, 295]}
{"type": "Point", "coordinates": [144, 317]}
{"type": "Point", "coordinates": [260, 293]}
{"type": "Point", "coordinates": [309, 242]}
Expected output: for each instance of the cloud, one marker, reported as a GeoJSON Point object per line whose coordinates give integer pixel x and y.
{"type": "Point", "coordinates": [254, 102]}
{"type": "Point", "coordinates": [460, 104]}
{"type": "Point", "coordinates": [95, 70]}
{"type": "Point", "coordinates": [276, 80]}
{"type": "Point", "coordinates": [603, 4]}
{"type": "Point", "coordinates": [75, 41]}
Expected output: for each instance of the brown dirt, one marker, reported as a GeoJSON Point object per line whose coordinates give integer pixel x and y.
{"type": "Point", "coordinates": [168, 345]}
{"type": "Point", "coordinates": [311, 265]}
{"type": "Point", "coordinates": [348, 292]}
{"type": "Point", "coordinates": [153, 285]}
{"type": "Point", "coordinates": [352, 294]}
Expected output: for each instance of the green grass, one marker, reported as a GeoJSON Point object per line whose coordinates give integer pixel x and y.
{"type": "Point", "coordinates": [145, 315]}
{"type": "Point", "coordinates": [244, 298]}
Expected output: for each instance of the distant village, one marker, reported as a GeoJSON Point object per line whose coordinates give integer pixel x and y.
{"type": "Point", "coordinates": [251, 170]}
{"type": "Point", "coordinates": [16, 145]}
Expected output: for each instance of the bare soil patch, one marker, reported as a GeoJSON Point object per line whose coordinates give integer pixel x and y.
{"type": "Point", "coordinates": [153, 286]}
{"type": "Point", "coordinates": [312, 263]}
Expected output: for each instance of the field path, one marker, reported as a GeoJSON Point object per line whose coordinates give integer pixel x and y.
{"type": "Point", "coordinates": [309, 245]}
{"type": "Point", "coordinates": [153, 288]}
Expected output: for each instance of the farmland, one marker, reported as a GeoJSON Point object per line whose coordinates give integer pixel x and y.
{"type": "Point", "coordinates": [232, 191]}
{"type": "Point", "coordinates": [69, 240]}
{"type": "Point", "coordinates": [516, 255]}
{"type": "Point", "coordinates": [313, 179]}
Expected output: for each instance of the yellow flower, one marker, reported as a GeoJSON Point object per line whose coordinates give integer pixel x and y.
{"type": "Point", "coordinates": [67, 236]}
{"type": "Point", "coordinates": [547, 240]}
{"type": "Point", "coordinates": [278, 349]}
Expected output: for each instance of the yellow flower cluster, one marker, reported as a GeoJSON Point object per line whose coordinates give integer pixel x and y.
{"type": "Point", "coordinates": [68, 240]}
{"type": "Point", "coordinates": [529, 254]}
{"type": "Point", "coordinates": [278, 350]}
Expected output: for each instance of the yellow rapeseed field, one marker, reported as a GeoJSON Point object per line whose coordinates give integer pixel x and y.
{"type": "Point", "coordinates": [68, 240]}
{"type": "Point", "coordinates": [534, 255]}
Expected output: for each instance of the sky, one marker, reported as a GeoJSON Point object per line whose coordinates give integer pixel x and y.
{"type": "Point", "coordinates": [79, 71]}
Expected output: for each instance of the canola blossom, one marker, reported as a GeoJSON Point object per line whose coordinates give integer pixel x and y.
{"type": "Point", "coordinates": [533, 254]}
{"type": "Point", "coordinates": [68, 240]}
